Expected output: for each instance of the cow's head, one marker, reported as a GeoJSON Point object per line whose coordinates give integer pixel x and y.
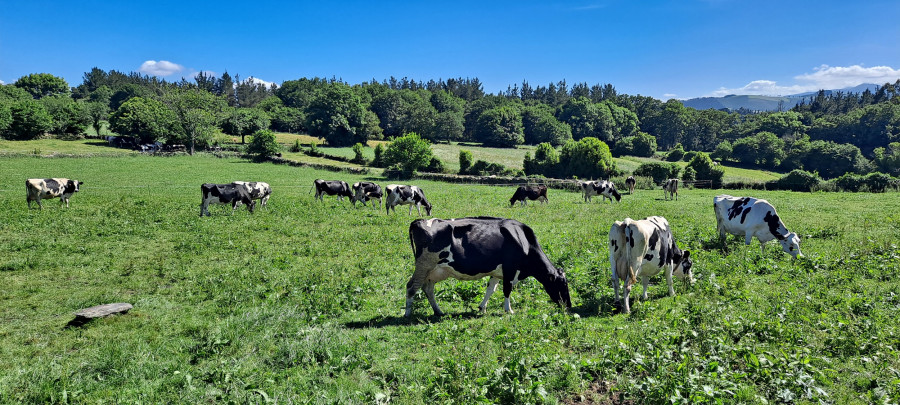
{"type": "Point", "coordinates": [427, 207]}
{"type": "Point", "coordinates": [72, 186]}
{"type": "Point", "coordinates": [557, 287]}
{"type": "Point", "coordinates": [791, 245]}
{"type": "Point", "coordinates": [683, 266]}
{"type": "Point", "coordinates": [251, 206]}
{"type": "Point", "coordinates": [615, 193]}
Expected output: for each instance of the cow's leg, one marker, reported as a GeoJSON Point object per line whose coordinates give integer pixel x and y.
{"type": "Point", "coordinates": [491, 287]}
{"type": "Point", "coordinates": [669, 270]}
{"type": "Point", "coordinates": [40, 204]}
{"type": "Point", "coordinates": [615, 278]}
{"type": "Point", "coordinates": [507, 290]}
{"type": "Point", "coordinates": [748, 237]}
{"type": "Point", "coordinates": [645, 281]}
{"type": "Point", "coordinates": [429, 292]}
{"type": "Point", "coordinates": [424, 264]}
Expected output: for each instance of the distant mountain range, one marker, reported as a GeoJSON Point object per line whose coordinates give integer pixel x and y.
{"type": "Point", "coordinates": [764, 103]}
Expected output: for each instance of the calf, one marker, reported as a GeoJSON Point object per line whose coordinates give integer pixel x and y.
{"type": "Point", "coordinates": [257, 190]}
{"type": "Point", "coordinates": [630, 182]}
{"type": "Point", "coordinates": [225, 194]}
{"type": "Point", "coordinates": [749, 217]}
{"type": "Point", "coordinates": [474, 248]}
{"type": "Point", "coordinates": [365, 191]}
{"type": "Point", "coordinates": [332, 187]}
{"type": "Point", "coordinates": [604, 188]}
{"type": "Point", "coordinates": [406, 195]}
{"type": "Point", "coordinates": [642, 249]}
{"type": "Point", "coordinates": [670, 189]}
{"type": "Point", "coordinates": [37, 189]}
{"type": "Point", "coordinates": [529, 193]}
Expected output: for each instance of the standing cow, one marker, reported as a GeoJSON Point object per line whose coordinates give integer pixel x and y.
{"type": "Point", "coordinates": [364, 191]}
{"type": "Point", "coordinates": [474, 248]}
{"type": "Point", "coordinates": [332, 187]}
{"type": "Point", "coordinates": [670, 189]}
{"type": "Point", "coordinates": [224, 194]}
{"type": "Point", "coordinates": [257, 190]}
{"type": "Point", "coordinates": [524, 193]}
{"type": "Point", "coordinates": [641, 249]}
{"type": "Point", "coordinates": [630, 182]}
{"type": "Point", "coordinates": [62, 188]}
{"type": "Point", "coordinates": [603, 188]}
{"type": "Point", "coordinates": [749, 217]}
{"type": "Point", "coordinates": [406, 195]}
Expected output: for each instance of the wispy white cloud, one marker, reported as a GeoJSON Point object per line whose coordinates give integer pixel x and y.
{"type": "Point", "coordinates": [823, 77]}
{"type": "Point", "coordinates": [160, 68]}
{"type": "Point", "coordinates": [669, 96]}
{"type": "Point", "coordinates": [252, 79]}
{"type": "Point", "coordinates": [2, 82]}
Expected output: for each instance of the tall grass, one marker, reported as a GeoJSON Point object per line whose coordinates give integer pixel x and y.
{"type": "Point", "coordinates": [301, 302]}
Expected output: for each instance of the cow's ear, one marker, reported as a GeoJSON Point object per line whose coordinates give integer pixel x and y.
{"type": "Point", "coordinates": [687, 254]}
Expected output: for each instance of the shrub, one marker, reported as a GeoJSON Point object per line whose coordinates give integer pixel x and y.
{"type": "Point", "coordinates": [378, 161]}
{"type": "Point", "coordinates": [723, 151]}
{"type": "Point", "coordinates": [296, 147]}
{"type": "Point", "coordinates": [689, 174]}
{"type": "Point", "coordinates": [314, 150]}
{"type": "Point", "coordinates": [688, 156]}
{"type": "Point", "coordinates": [849, 182]}
{"type": "Point", "coordinates": [706, 171]}
{"type": "Point", "coordinates": [358, 154]}
{"type": "Point", "coordinates": [435, 166]}
{"type": "Point", "coordinates": [465, 161]}
{"type": "Point", "coordinates": [484, 168]}
{"type": "Point", "coordinates": [263, 145]}
{"type": "Point", "coordinates": [587, 158]}
{"type": "Point", "coordinates": [658, 171]}
{"type": "Point", "coordinates": [877, 182]}
{"type": "Point", "coordinates": [545, 162]}
{"type": "Point", "coordinates": [410, 151]}
{"type": "Point", "coordinates": [796, 180]}
{"type": "Point", "coordinates": [676, 153]}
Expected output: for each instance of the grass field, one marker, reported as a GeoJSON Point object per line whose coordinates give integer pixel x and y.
{"type": "Point", "coordinates": [301, 302]}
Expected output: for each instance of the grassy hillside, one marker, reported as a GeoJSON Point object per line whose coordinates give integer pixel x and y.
{"type": "Point", "coordinates": [301, 302]}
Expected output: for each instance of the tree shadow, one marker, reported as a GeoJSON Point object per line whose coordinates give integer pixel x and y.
{"type": "Point", "coordinates": [603, 306]}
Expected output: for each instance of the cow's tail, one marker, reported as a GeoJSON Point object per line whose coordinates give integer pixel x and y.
{"type": "Point", "coordinates": [631, 232]}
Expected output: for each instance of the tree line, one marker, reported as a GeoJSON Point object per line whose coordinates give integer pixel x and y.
{"type": "Point", "coordinates": [829, 133]}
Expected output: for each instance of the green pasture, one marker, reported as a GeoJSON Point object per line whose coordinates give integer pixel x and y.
{"type": "Point", "coordinates": [302, 302]}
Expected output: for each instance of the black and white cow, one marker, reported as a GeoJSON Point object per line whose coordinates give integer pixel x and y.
{"type": "Point", "coordinates": [332, 187]}
{"type": "Point", "coordinates": [670, 189]}
{"type": "Point", "coordinates": [630, 182]}
{"type": "Point", "coordinates": [474, 248]}
{"type": "Point", "coordinates": [224, 194]}
{"type": "Point", "coordinates": [406, 195]}
{"type": "Point", "coordinates": [524, 193]}
{"type": "Point", "coordinates": [38, 189]}
{"type": "Point", "coordinates": [749, 217]}
{"type": "Point", "coordinates": [641, 249]}
{"type": "Point", "coordinates": [365, 191]}
{"type": "Point", "coordinates": [603, 188]}
{"type": "Point", "coordinates": [258, 190]}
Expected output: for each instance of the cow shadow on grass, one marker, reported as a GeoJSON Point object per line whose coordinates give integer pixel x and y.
{"type": "Point", "coordinates": [598, 306]}
{"type": "Point", "coordinates": [382, 321]}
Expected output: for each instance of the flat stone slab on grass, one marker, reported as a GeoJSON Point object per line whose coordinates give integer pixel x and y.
{"type": "Point", "coordinates": [99, 311]}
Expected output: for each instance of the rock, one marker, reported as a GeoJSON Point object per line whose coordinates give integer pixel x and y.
{"type": "Point", "coordinates": [99, 311]}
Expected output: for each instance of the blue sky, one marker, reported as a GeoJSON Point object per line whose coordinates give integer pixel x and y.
{"type": "Point", "coordinates": [663, 49]}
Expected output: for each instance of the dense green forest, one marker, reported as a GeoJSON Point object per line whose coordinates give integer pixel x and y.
{"type": "Point", "coordinates": [829, 134]}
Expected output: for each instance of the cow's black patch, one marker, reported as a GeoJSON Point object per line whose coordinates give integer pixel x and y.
{"type": "Point", "coordinates": [665, 252]}
{"type": "Point", "coordinates": [654, 238]}
{"type": "Point", "coordinates": [774, 223]}
{"type": "Point", "coordinates": [614, 245]}
{"type": "Point", "coordinates": [744, 215]}
{"type": "Point", "coordinates": [52, 184]}
{"type": "Point", "coordinates": [648, 257]}
{"type": "Point", "coordinates": [443, 255]}
{"type": "Point", "coordinates": [70, 187]}
{"type": "Point", "coordinates": [737, 208]}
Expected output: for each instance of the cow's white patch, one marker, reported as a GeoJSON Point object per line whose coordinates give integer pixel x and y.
{"type": "Point", "coordinates": [428, 224]}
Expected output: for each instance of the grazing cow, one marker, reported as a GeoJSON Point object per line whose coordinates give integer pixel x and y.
{"type": "Point", "coordinates": [641, 249]}
{"type": "Point", "coordinates": [258, 191]}
{"type": "Point", "coordinates": [364, 191]}
{"type": "Point", "coordinates": [37, 189]}
{"type": "Point", "coordinates": [670, 189]}
{"type": "Point", "coordinates": [529, 193]}
{"type": "Point", "coordinates": [630, 182]}
{"type": "Point", "coordinates": [474, 248]}
{"type": "Point", "coordinates": [603, 188]}
{"type": "Point", "coordinates": [225, 194]}
{"type": "Point", "coordinates": [406, 195]}
{"type": "Point", "coordinates": [332, 187]}
{"type": "Point", "coordinates": [749, 217]}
